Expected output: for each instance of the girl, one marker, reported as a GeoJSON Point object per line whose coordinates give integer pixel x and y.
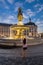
{"type": "Point", "coordinates": [24, 47]}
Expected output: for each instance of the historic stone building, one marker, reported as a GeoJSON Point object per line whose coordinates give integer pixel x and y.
{"type": "Point", "coordinates": [32, 28]}
{"type": "Point", "coordinates": [4, 30]}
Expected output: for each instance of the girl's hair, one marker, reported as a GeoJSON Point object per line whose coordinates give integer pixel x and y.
{"type": "Point", "coordinates": [24, 41]}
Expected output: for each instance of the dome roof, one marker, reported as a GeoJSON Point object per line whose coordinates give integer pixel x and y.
{"type": "Point", "coordinates": [30, 23]}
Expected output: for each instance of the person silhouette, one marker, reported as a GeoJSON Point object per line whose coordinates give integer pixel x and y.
{"type": "Point", "coordinates": [24, 47]}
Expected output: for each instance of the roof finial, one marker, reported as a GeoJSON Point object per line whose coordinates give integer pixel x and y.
{"type": "Point", "coordinates": [29, 19]}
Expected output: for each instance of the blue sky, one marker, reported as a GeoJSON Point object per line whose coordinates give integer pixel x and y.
{"type": "Point", "coordinates": [30, 8]}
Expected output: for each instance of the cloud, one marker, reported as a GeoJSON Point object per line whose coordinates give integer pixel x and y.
{"type": "Point", "coordinates": [2, 1]}
{"type": "Point", "coordinates": [34, 19]}
{"type": "Point", "coordinates": [3, 4]}
{"type": "Point", "coordinates": [30, 13]}
{"type": "Point", "coordinates": [10, 1]}
{"type": "Point", "coordinates": [29, 1]}
{"type": "Point", "coordinates": [39, 23]}
{"type": "Point", "coordinates": [25, 16]}
{"type": "Point", "coordinates": [42, 16]}
{"type": "Point", "coordinates": [39, 7]}
{"type": "Point", "coordinates": [18, 4]}
{"type": "Point", "coordinates": [9, 19]}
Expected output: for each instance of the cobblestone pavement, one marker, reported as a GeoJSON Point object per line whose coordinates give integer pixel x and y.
{"type": "Point", "coordinates": [13, 56]}
{"type": "Point", "coordinates": [36, 60]}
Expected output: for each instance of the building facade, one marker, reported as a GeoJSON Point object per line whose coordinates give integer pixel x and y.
{"type": "Point", "coordinates": [32, 28]}
{"type": "Point", "coordinates": [4, 30]}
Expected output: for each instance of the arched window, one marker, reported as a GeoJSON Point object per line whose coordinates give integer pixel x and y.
{"type": "Point", "coordinates": [26, 32]}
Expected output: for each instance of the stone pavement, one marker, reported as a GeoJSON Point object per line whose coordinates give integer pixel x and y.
{"type": "Point", "coordinates": [36, 60]}
{"type": "Point", "coordinates": [13, 56]}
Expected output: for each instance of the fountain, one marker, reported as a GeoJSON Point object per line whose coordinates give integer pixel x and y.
{"type": "Point", "coordinates": [18, 31]}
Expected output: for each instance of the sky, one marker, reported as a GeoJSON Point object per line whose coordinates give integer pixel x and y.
{"type": "Point", "coordinates": [30, 8]}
